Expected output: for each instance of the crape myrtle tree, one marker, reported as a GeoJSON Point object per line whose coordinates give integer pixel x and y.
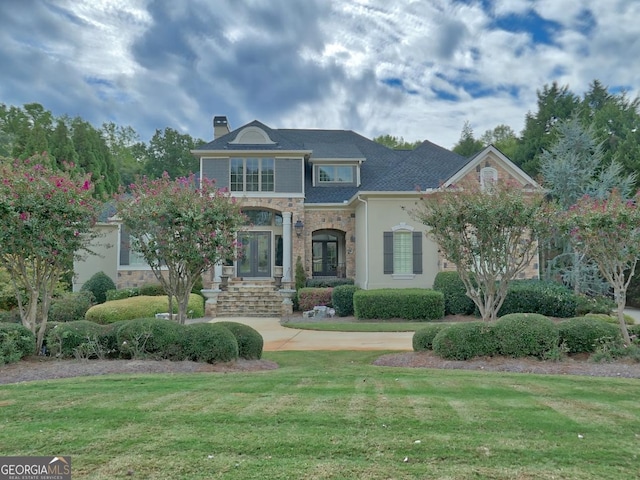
{"type": "Point", "coordinates": [608, 232]}
{"type": "Point", "coordinates": [47, 217]}
{"type": "Point", "coordinates": [182, 228]}
{"type": "Point", "coordinates": [490, 235]}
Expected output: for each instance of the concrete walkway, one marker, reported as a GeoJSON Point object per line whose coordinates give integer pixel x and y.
{"type": "Point", "coordinates": [278, 338]}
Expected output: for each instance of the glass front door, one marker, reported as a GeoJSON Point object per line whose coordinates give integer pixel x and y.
{"type": "Point", "coordinates": [325, 256]}
{"type": "Point", "coordinates": [256, 254]}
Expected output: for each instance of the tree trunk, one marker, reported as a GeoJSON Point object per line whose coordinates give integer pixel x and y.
{"type": "Point", "coordinates": [621, 297]}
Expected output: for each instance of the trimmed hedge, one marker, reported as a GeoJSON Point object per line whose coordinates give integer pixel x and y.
{"type": "Point", "coordinates": [423, 338]}
{"type": "Point", "coordinates": [210, 342]}
{"type": "Point", "coordinates": [456, 301]}
{"type": "Point", "coordinates": [581, 334]}
{"type": "Point", "coordinates": [16, 342]}
{"type": "Point", "coordinates": [139, 307]}
{"type": "Point", "coordinates": [462, 341]}
{"type": "Point", "coordinates": [71, 307]}
{"type": "Point", "coordinates": [99, 284]}
{"type": "Point", "coordinates": [122, 293]}
{"type": "Point", "coordinates": [67, 338]}
{"type": "Point", "coordinates": [152, 337]}
{"type": "Point", "coordinates": [312, 297]}
{"type": "Point", "coordinates": [534, 296]}
{"type": "Point", "coordinates": [250, 342]}
{"type": "Point", "coordinates": [525, 335]}
{"type": "Point", "coordinates": [342, 299]}
{"type": "Point", "coordinates": [328, 282]}
{"type": "Point", "coordinates": [613, 318]}
{"type": "Point", "coordinates": [152, 290]}
{"type": "Point", "coordinates": [405, 303]}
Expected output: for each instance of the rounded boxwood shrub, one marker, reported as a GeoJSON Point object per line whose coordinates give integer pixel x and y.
{"type": "Point", "coordinates": [456, 301]}
{"type": "Point", "coordinates": [109, 339]}
{"type": "Point", "coordinates": [462, 341]}
{"type": "Point", "coordinates": [64, 339]}
{"type": "Point", "coordinates": [525, 335]}
{"type": "Point", "coordinates": [16, 342]}
{"type": "Point", "coordinates": [535, 296]}
{"type": "Point", "coordinates": [423, 337]}
{"type": "Point", "coordinates": [210, 343]}
{"type": "Point", "coordinates": [250, 342]}
{"type": "Point", "coordinates": [71, 307]}
{"type": "Point", "coordinates": [151, 290]}
{"type": "Point", "coordinates": [342, 299]}
{"type": "Point", "coordinates": [581, 334]}
{"type": "Point", "coordinates": [312, 297]}
{"type": "Point", "coordinates": [151, 338]}
{"type": "Point", "coordinates": [140, 307]}
{"type": "Point", "coordinates": [98, 284]}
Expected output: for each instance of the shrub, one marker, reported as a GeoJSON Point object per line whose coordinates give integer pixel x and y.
{"type": "Point", "coordinates": [534, 296]}
{"type": "Point", "coordinates": [11, 316]}
{"type": "Point", "coordinates": [16, 342]}
{"type": "Point", "coordinates": [405, 303]}
{"type": "Point", "coordinates": [599, 304]}
{"type": "Point", "coordinates": [109, 339]}
{"type": "Point", "coordinates": [210, 342]}
{"type": "Point", "coordinates": [582, 334]}
{"type": "Point", "coordinates": [423, 338]}
{"type": "Point", "coordinates": [462, 341]}
{"type": "Point", "coordinates": [140, 307]}
{"type": "Point", "coordinates": [328, 282]}
{"type": "Point", "coordinates": [151, 290]}
{"type": "Point", "coordinates": [152, 338]}
{"type": "Point", "coordinates": [69, 338]}
{"type": "Point", "coordinates": [250, 342]}
{"type": "Point", "coordinates": [342, 299]}
{"type": "Point", "coordinates": [628, 319]}
{"type": "Point", "coordinates": [301, 275]}
{"type": "Point", "coordinates": [312, 297]}
{"type": "Point", "coordinates": [634, 330]}
{"type": "Point", "coordinates": [122, 293]}
{"type": "Point", "coordinates": [98, 284]}
{"type": "Point", "coordinates": [71, 307]}
{"type": "Point", "coordinates": [525, 335]}
{"type": "Point", "coordinates": [456, 301]}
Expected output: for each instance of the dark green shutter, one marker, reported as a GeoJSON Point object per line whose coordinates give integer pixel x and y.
{"type": "Point", "coordinates": [124, 246]}
{"type": "Point", "coordinates": [417, 252]}
{"type": "Point", "coordinates": [387, 248]}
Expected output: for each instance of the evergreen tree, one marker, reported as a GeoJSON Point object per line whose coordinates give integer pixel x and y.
{"type": "Point", "coordinates": [170, 151]}
{"type": "Point", "coordinates": [61, 145]}
{"type": "Point", "coordinates": [467, 146]}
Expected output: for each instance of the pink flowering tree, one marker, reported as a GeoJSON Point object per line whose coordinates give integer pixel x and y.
{"type": "Point", "coordinates": [608, 232]}
{"type": "Point", "coordinates": [47, 217]}
{"type": "Point", "coordinates": [182, 228]}
{"type": "Point", "coordinates": [491, 235]}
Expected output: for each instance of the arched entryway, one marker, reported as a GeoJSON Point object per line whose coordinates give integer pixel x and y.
{"type": "Point", "coordinates": [261, 243]}
{"type": "Point", "coordinates": [328, 253]}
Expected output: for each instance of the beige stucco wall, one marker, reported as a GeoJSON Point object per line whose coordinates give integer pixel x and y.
{"type": "Point", "coordinates": [106, 259]}
{"type": "Point", "coordinates": [383, 214]}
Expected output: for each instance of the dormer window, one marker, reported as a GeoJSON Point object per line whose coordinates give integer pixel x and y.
{"type": "Point", "coordinates": [335, 174]}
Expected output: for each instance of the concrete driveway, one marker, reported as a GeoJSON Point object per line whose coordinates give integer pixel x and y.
{"type": "Point", "coordinates": [278, 338]}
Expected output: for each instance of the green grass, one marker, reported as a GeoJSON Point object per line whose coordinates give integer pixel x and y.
{"type": "Point", "coordinates": [329, 415]}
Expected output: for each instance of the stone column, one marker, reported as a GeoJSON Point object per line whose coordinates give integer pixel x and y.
{"type": "Point", "coordinates": [286, 247]}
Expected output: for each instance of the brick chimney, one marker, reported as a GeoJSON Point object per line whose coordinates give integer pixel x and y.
{"type": "Point", "coordinates": [220, 126]}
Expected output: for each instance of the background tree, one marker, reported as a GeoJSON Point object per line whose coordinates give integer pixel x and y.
{"type": "Point", "coordinates": [396, 143]}
{"type": "Point", "coordinates": [170, 151]}
{"type": "Point", "coordinates": [182, 227]}
{"type": "Point", "coordinates": [126, 149]}
{"type": "Point", "coordinates": [503, 138]}
{"type": "Point", "coordinates": [467, 146]}
{"type": "Point", "coordinates": [47, 217]}
{"type": "Point", "coordinates": [490, 236]}
{"type": "Point", "coordinates": [608, 231]}
{"type": "Point", "coordinates": [573, 167]}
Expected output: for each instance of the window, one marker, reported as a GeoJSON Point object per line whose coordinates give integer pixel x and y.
{"type": "Point", "coordinates": [252, 175]}
{"type": "Point", "coordinates": [263, 218]}
{"type": "Point", "coordinates": [402, 251]}
{"type": "Point", "coordinates": [488, 177]}
{"type": "Point", "coordinates": [335, 174]}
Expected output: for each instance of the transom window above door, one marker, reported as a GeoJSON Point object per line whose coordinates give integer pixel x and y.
{"type": "Point", "coordinates": [252, 175]}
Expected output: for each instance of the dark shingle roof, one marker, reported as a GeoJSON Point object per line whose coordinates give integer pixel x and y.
{"type": "Point", "coordinates": [383, 169]}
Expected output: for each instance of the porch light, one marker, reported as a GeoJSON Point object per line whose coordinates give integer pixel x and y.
{"type": "Point", "coordinates": [299, 226]}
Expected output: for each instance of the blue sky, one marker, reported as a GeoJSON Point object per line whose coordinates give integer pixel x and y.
{"type": "Point", "coordinates": [416, 69]}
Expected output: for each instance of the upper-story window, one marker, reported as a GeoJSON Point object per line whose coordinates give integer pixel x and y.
{"type": "Point", "coordinates": [252, 175]}
{"type": "Point", "coordinates": [335, 174]}
{"type": "Point", "coordinates": [488, 177]}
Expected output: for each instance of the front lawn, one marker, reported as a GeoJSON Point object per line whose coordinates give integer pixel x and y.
{"type": "Point", "coordinates": [329, 415]}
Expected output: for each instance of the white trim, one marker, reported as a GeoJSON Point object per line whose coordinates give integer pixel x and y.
{"type": "Point", "coordinates": [402, 226]}
{"type": "Point", "coordinates": [252, 131]}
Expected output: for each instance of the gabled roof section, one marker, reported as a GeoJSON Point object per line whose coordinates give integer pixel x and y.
{"type": "Point", "coordinates": [494, 153]}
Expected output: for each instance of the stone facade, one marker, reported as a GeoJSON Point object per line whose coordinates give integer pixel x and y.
{"type": "Point", "coordinates": [134, 278]}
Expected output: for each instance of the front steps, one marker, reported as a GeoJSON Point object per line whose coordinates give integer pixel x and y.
{"type": "Point", "coordinates": [249, 299]}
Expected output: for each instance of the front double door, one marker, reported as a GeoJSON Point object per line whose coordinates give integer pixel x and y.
{"type": "Point", "coordinates": [256, 254]}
